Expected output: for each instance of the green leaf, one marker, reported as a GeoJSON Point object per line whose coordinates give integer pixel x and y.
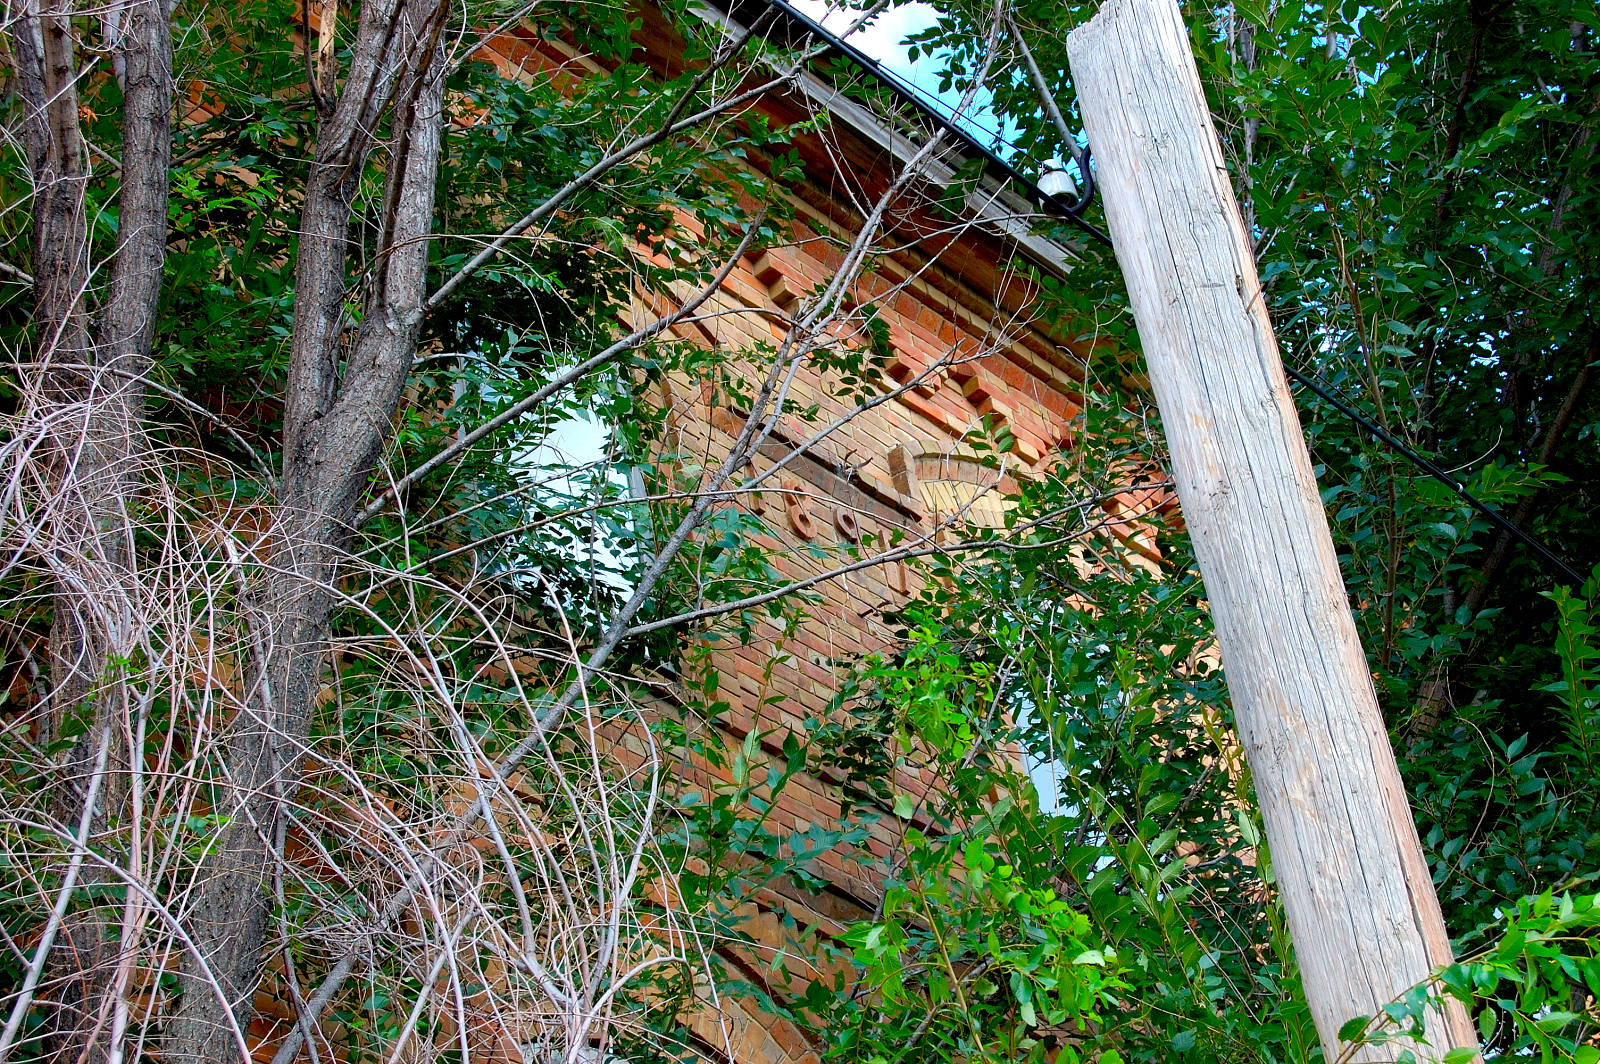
{"type": "Point", "coordinates": [1162, 803]}
{"type": "Point", "coordinates": [1554, 1021]}
{"type": "Point", "coordinates": [1353, 1028]}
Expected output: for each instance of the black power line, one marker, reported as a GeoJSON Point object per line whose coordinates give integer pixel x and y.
{"type": "Point", "coordinates": [1436, 473]}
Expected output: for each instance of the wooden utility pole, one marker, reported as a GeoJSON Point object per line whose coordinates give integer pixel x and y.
{"type": "Point", "coordinates": [1361, 906]}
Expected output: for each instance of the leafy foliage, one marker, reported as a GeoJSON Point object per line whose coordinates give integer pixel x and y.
{"type": "Point", "coordinates": [1414, 176]}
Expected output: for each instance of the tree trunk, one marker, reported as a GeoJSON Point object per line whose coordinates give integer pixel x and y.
{"type": "Point", "coordinates": [1500, 553]}
{"type": "Point", "coordinates": [45, 51]}
{"type": "Point", "coordinates": [335, 426]}
{"type": "Point", "coordinates": [1361, 906]}
{"type": "Point", "coordinates": [99, 387]}
{"type": "Point", "coordinates": [1434, 694]}
{"type": "Point", "coordinates": [109, 474]}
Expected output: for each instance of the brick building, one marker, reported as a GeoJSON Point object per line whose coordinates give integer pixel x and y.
{"type": "Point", "coordinates": [955, 301]}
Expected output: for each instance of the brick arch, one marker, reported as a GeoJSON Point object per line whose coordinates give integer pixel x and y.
{"type": "Point", "coordinates": [948, 477]}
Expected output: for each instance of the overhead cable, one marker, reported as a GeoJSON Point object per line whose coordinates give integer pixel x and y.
{"type": "Point", "coordinates": [1436, 473]}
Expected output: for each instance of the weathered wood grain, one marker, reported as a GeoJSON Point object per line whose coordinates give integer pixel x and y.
{"type": "Point", "coordinates": [1360, 903]}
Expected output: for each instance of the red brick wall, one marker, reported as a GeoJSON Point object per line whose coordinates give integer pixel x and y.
{"type": "Point", "coordinates": [902, 465]}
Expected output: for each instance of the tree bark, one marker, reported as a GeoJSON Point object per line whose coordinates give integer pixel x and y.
{"type": "Point", "coordinates": [98, 385]}
{"type": "Point", "coordinates": [108, 475]}
{"type": "Point", "coordinates": [1361, 907]}
{"type": "Point", "coordinates": [45, 50]}
{"type": "Point", "coordinates": [335, 425]}
{"type": "Point", "coordinates": [127, 324]}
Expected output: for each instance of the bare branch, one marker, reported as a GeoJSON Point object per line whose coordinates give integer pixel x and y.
{"type": "Point", "coordinates": [562, 380]}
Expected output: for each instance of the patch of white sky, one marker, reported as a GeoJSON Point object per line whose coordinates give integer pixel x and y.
{"type": "Point", "coordinates": [580, 444]}
{"type": "Point", "coordinates": [884, 39]}
{"type": "Point", "coordinates": [575, 441]}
